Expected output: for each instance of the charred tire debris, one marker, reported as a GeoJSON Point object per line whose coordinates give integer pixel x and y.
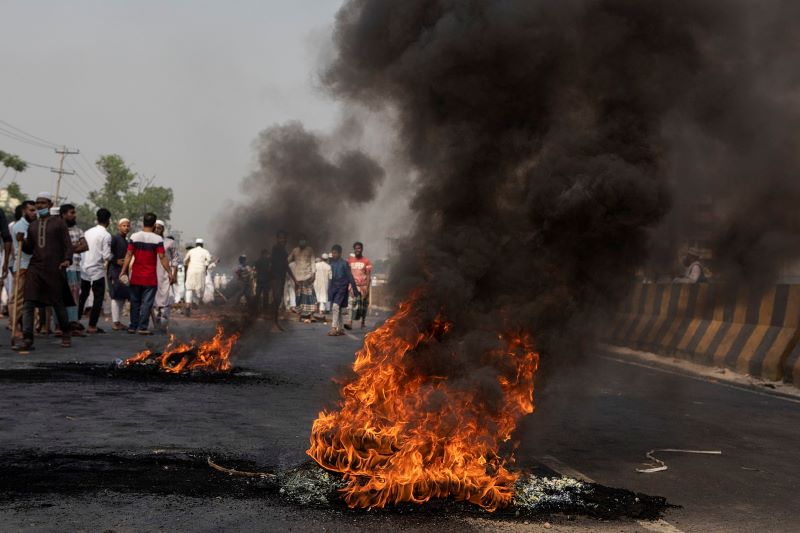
{"type": "Point", "coordinates": [73, 372]}
{"type": "Point", "coordinates": [29, 474]}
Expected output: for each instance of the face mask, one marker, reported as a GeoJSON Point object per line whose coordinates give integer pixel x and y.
{"type": "Point", "coordinates": [301, 243]}
{"type": "Point", "coordinates": [43, 212]}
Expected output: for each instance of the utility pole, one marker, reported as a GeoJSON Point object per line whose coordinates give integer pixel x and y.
{"type": "Point", "coordinates": [64, 152]}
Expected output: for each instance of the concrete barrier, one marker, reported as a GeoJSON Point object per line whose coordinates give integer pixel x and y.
{"type": "Point", "coordinates": [752, 333]}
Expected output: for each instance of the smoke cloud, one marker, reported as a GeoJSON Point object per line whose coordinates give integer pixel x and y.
{"type": "Point", "coordinates": [304, 184]}
{"type": "Point", "coordinates": [555, 147]}
{"type": "Point", "coordinates": [552, 139]}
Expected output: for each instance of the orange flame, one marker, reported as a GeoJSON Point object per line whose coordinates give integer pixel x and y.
{"type": "Point", "coordinates": [403, 437]}
{"type": "Point", "coordinates": [211, 356]}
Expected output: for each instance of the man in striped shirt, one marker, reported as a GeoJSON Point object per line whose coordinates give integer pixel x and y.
{"type": "Point", "coordinates": [146, 249]}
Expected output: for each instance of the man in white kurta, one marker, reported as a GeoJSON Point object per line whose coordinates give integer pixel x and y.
{"type": "Point", "coordinates": [196, 264]}
{"type": "Point", "coordinates": [165, 296]}
{"type": "Point", "coordinates": [321, 282]}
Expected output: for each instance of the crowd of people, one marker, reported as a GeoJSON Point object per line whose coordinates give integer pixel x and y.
{"type": "Point", "coordinates": [59, 270]}
{"type": "Point", "coordinates": [53, 268]}
{"type": "Point", "coordinates": [312, 286]}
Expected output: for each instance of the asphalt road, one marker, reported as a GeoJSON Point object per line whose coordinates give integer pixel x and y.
{"type": "Point", "coordinates": [596, 420]}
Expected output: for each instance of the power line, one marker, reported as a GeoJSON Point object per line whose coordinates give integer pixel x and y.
{"type": "Point", "coordinates": [20, 138]}
{"type": "Point", "coordinates": [45, 141]}
{"type": "Point", "coordinates": [38, 165]}
{"type": "Point", "coordinates": [88, 175]}
{"type": "Point", "coordinates": [93, 167]}
{"type": "Point", "coordinates": [84, 182]}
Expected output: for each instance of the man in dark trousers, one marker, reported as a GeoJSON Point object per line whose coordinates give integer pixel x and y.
{"type": "Point", "coordinates": [278, 270]}
{"type": "Point", "coordinates": [49, 244]}
{"type": "Point", "coordinates": [5, 235]}
{"type": "Point", "coordinates": [262, 282]}
{"type": "Point", "coordinates": [118, 291]}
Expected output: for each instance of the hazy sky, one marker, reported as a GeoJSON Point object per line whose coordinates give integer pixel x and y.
{"type": "Point", "coordinates": [180, 89]}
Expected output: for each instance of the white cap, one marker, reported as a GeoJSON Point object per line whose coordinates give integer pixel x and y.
{"type": "Point", "coordinates": [199, 241]}
{"type": "Point", "coordinates": [160, 223]}
{"type": "Point", "coordinates": [325, 255]}
{"type": "Point", "coordinates": [122, 220]}
{"type": "Point", "coordinates": [46, 195]}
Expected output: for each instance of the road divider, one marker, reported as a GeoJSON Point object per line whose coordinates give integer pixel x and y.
{"type": "Point", "coordinates": [751, 331]}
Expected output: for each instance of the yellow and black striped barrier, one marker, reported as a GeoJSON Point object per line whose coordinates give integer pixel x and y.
{"type": "Point", "coordinates": [751, 332]}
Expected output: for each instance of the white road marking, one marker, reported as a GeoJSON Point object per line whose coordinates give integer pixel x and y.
{"type": "Point", "coordinates": [353, 336]}
{"type": "Point", "coordinates": [554, 464]}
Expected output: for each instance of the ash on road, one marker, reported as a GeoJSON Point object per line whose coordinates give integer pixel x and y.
{"type": "Point", "coordinates": [83, 420]}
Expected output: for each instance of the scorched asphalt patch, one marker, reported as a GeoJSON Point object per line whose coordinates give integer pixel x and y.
{"type": "Point", "coordinates": [28, 474]}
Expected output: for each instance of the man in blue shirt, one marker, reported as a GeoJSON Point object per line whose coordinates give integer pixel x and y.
{"type": "Point", "coordinates": [20, 231]}
{"type": "Point", "coordinates": [338, 294]}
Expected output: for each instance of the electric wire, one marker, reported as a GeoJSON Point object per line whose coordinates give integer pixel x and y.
{"type": "Point", "coordinates": [20, 138]}
{"type": "Point", "coordinates": [45, 141]}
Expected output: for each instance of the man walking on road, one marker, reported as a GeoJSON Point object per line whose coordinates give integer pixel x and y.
{"type": "Point", "coordinates": [303, 258]}
{"type": "Point", "coordinates": [341, 281]}
{"type": "Point", "coordinates": [5, 234]}
{"type": "Point", "coordinates": [119, 291]}
{"type": "Point", "coordinates": [278, 270]}
{"type": "Point", "coordinates": [196, 265]}
{"type": "Point", "coordinates": [262, 282]}
{"type": "Point", "coordinates": [50, 247]}
{"type": "Point", "coordinates": [165, 297]}
{"type": "Point", "coordinates": [362, 273]}
{"type": "Point", "coordinates": [243, 284]}
{"type": "Point", "coordinates": [93, 268]}
{"type": "Point", "coordinates": [322, 278]}
{"type": "Point", "coordinates": [74, 312]}
{"type": "Point", "coordinates": [146, 248]}
{"type": "Point", "coordinates": [20, 227]}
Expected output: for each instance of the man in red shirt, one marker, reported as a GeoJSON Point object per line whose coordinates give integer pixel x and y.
{"type": "Point", "coordinates": [145, 248]}
{"type": "Point", "coordinates": [362, 274]}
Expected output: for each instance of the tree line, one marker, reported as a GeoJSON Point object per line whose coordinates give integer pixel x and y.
{"type": "Point", "coordinates": [124, 192]}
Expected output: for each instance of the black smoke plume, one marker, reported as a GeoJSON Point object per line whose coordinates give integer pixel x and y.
{"type": "Point", "coordinates": [305, 184]}
{"type": "Point", "coordinates": [552, 138]}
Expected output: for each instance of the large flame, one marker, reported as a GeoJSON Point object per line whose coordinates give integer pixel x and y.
{"type": "Point", "coordinates": [210, 356]}
{"type": "Point", "coordinates": [399, 436]}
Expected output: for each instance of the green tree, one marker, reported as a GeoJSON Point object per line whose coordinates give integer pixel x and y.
{"type": "Point", "coordinates": [12, 162]}
{"type": "Point", "coordinates": [125, 194]}
{"type": "Point", "coordinates": [13, 195]}
{"type": "Point", "coordinates": [15, 192]}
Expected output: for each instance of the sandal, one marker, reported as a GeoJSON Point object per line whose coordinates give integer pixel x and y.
{"type": "Point", "coordinates": [66, 342]}
{"type": "Point", "coordinates": [25, 346]}
{"type": "Point", "coordinates": [118, 326]}
{"type": "Point", "coordinates": [95, 330]}
{"type": "Point", "coordinates": [333, 333]}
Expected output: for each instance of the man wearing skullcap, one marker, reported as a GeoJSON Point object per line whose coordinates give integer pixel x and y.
{"type": "Point", "coordinates": [50, 246]}
{"type": "Point", "coordinates": [119, 291]}
{"type": "Point", "coordinates": [196, 264]}
{"type": "Point", "coordinates": [165, 296]}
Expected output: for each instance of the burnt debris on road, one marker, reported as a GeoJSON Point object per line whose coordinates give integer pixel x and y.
{"type": "Point", "coordinates": [30, 473]}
